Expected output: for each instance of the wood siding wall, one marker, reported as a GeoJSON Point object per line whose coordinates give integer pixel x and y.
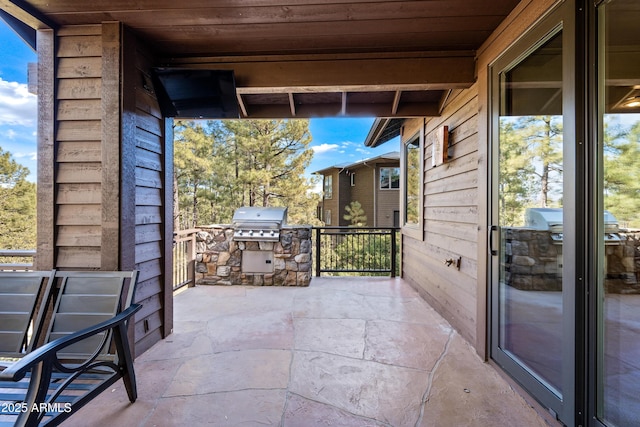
{"type": "Point", "coordinates": [79, 172]}
{"type": "Point", "coordinates": [450, 219]}
{"type": "Point", "coordinates": [144, 134]}
{"type": "Point", "coordinates": [110, 165]}
{"type": "Point", "coordinates": [456, 208]}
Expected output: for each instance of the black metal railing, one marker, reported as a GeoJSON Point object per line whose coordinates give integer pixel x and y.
{"type": "Point", "coordinates": [184, 256]}
{"type": "Point", "coordinates": [16, 259]}
{"type": "Point", "coordinates": [367, 251]}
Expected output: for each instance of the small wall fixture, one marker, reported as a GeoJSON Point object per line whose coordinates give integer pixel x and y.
{"type": "Point", "coordinates": [455, 262]}
{"type": "Point", "coordinates": [440, 146]}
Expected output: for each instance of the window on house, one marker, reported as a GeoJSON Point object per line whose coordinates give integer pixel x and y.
{"type": "Point", "coordinates": [328, 187]}
{"type": "Point", "coordinates": [353, 179]}
{"type": "Point", "coordinates": [389, 178]}
{"type": "Point", "coordinates": [412, 183]}
{"type": "Point", "coordinates": [327, 217]}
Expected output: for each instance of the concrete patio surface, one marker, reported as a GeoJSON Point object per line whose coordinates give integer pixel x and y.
{"type": "Point", "coordinates": [342, 352]}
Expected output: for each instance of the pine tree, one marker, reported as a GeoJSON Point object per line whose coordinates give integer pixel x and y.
{"type": "Point", "coordinates": [17, 205]}
{"type": "Point", "coordinates": [355, 214]}
{"type": "Point", "coordinates": [222, 165]}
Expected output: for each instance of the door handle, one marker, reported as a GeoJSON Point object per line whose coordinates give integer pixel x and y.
{"type": "Point", "coordinates": [492, 251]}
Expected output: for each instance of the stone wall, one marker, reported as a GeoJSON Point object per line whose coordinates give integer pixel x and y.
{"type": "Point", "coordinates": [533, 262]}
{"type": "Point", "coordinates": [219, 258]}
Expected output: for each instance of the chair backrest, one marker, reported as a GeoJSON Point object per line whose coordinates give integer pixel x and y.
{"type": "Point", "coordinates": [84, 299]}
{"type": "Point", "coordinates": [23, 300]}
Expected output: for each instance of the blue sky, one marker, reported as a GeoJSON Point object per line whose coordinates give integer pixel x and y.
{"type": "Point", "coordinates": [335, 140]}
{"type": "Point", "coordinates": [17, 106]}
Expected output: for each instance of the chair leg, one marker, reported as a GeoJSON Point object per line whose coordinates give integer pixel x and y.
{"type": "Point", "coordinates": [125, 360]}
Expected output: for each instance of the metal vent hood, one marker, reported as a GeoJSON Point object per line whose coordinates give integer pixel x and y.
{"type": "Point", "coordinates": [196, 94]}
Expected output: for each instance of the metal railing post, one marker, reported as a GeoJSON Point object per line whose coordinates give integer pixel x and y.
{"type": "Point", "coordinates": [191, 263]}
{"type": "Point", "coordinates": [393, 252]}
{"type": "Point", "coordinates": [318, 232]}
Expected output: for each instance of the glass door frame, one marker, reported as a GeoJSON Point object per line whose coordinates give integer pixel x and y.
{"type": "Point", "coordinates": [560, 19]}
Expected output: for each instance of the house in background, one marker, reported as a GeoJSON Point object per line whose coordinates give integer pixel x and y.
{"type": "Point", "coordinates": [563, 331]}
{"type": "Point", "coordinates": [375, 183]}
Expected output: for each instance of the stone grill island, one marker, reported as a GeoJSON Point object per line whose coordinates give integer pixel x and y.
{"type": "Point", "coordinates": [223, 260]}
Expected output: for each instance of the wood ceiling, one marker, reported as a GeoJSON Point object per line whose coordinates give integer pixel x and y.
{"type": "Point", "coordinates": [305, 58]}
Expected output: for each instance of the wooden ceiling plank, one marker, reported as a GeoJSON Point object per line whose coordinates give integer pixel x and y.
{"type": "Point", "coordinates": [275, 14]}
{"type": "Point", "coordinates": [403, 55]}
{"type": "Point", "coordinates": [74, 6]}
{"type": "Point", "coordinates": [338, 27]}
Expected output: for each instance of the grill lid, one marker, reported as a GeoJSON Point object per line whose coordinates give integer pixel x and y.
{"type": "Point", "coordinates": [256, 214]}
{"type": "Point", "coordinates": [551, 219]}
{"type": "Point", "coordinates": [258, 223]}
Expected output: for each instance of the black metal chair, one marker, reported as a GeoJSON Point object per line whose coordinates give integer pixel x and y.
{"type": "Point", "coordinates": [86, 349]}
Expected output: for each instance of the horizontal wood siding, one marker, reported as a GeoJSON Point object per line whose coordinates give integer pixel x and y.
{"type": "Point", "coordinates": [361, 192]}
{"type": "Point", "coordinates": [332, 204]}
{"type": "Point", "coordinates": [450, 219]}
{"type": "Point", "coordinates": [78, 149]}
{"type": "Point", "coordinates": [387, 200]}
{"type": "Point", "coordinates": [149, 201]}
{"type": "Point", "coordinates": [344, 197]}
{"type": "Point", "coordinates": [110, 167]}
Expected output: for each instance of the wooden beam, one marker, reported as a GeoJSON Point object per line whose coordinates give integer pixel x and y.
{"type": "Point", "coordinates": [26, 13]}
{"type": "Point", "coordinates": [283, 111]}
{"type": "Point", "coordinates": [292, 105]}
{"type": "Point", "coordinates": [345, 74]}
{"type": "Point", "coordinates": [443, 100]}
{"type": "Point", "coordinates": [343, 110]}
{"type": "Point", "coordinates": [241, 104]}
{"type": "Point", "coordinates": [46, 221]}
{"type": "Point", "coordinates": [167, 223]}
{"type": "Point", "coordinates": [111, 150]}
{"type": "Point", "coordinates": [396, 102]}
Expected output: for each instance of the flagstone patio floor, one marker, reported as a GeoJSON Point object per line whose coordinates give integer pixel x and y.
{"type": "Point", "coordinates": [346, 352]}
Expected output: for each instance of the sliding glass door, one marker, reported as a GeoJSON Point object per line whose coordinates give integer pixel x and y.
{"type": "Point", "coordinates": [533, 235]}
{"type": "Point", "coordinates": [617, 297]}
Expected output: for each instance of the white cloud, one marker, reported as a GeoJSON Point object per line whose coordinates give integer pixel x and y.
{"type": "Point", "coordinates": [17, 105]}
{"type": "Point", "coordinates": [33, 155]}
{"type": "Point", "coordinates": [324, 148]}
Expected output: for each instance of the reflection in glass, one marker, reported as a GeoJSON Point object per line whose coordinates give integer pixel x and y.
{"type": "Point", "coordinates": [389, 178]}
{"type": "Point", "coordinates": [412, 184]}
{"type": "Point", "coordinates": [530, 186]}
{"type": "Point", "coordinates": [619, 286]}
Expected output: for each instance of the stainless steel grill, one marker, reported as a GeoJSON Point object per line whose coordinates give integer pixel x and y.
{"type": "Point", "coordinates": [551, 219]}
{"type": "Point", "coordinates": [252, 223]}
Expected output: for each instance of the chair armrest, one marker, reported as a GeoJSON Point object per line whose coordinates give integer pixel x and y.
{"type": "Point", "coordinates": [18, 370]}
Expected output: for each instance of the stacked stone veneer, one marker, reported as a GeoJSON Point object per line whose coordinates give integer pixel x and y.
{"type": "Point", "coordinates": [533, 262]}
{"type": "Point", "coordinates": [219, 258]}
